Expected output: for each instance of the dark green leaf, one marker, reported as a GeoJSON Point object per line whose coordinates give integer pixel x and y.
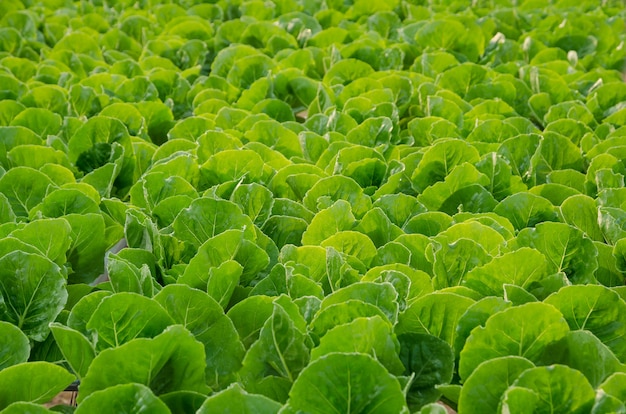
{"type": "Point", "coordinates": [171, 361]}
{"type": "Point", "coordinates": [205, 319]}
{"type": "Point", "coordinates": [132, 398]}
{"type": "Point", "coordinates": [15, 348]}
{"type": "Point", "coordinates": [346, 383]}
{"type": "Point", "coordinates": [32, 292]}
{"type": "Point", "coordinates": [35, 382]}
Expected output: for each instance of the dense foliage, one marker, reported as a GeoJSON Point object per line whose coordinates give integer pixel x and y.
{"type": "Point", "coordinates": [324, 206]}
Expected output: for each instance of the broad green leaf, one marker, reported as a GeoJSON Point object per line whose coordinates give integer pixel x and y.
{"type": "Point", "coordinates": [555, 152]}
{"type": "Point", "coordinates": [24, 187]}
{"type": "Point", "coordinates": [10, 109]}
{"type": "Point", "coordinates": [6, 211]}
{"type": "Point", "coordinates": [431, 360]}
{"type": "Point", "coordinates": [283, 280]}
{"type": "Point", "coordinates": [52, 97]}
{"type": "Point", "coordinates": [450, 34]}
{"type": "Point", "coordinates": [11, 244]}
{"type": "Point", "coordinates": [327, 222]}
{"type": "Point", "coordinates": [35, 382]}
{"type": "Point", "coordinates": [581, 212]}
{"type": "Point", "coordinates": [207, 217]}
{"type": "Point", "coordinates": [328, 190]}
{"type": "Point", "coordinates": [277, 137]}
{"type": "Point", "coordinates": [255, 201]}
{"type": "Point", "coordinates": [568, 178]}
{"type": "Point", "coordinates": [346, 383]}
{"type": "Point", "coordinates": [607, 273]}
{"type": "Point", "coordinates": [248, 69]}
{"type": "Point", "coordinates": [518, 151]}
{"type": "Point", "coordinates": [26, 407]}
{"type": "Point", "coordinates": [102, 130]}
{"type": "Point", "coordinates": [50, 236]}
{"type": "Point", "coordinates": [612, 223]}
{"type": "Point", "coordinates": [419, 282]}
{"type": "Point", "coordinates": [352, 243]}
{"type": "Point", "coordinates": [235, 399]}
{"type": "Point", "coordinates": [15, 347]}
{"type": "Point", "coordinates": [347, 70]}
{"type": "Point", "coordinates": [339, 270]}
{"type": "Point", "coordinates": [619, 253]}
{"type": "Point", "coordinates": [612, 198]}
{"type": "Point", "coordinates": [522, 399]}
{"type": "Point", "coordinates": [76, 348]}
{"type": "Point", "coordinates": [429, 223]}
{"type": "Point", "coordinates": [526, 210]}
{"type": "Point", "coordinates": [32, 292]}
{"type": "Point", "coordinates": [285, 230]}
{"type": "Point", "coordinates": [476, 314]}
{"type": "Point", "coordinates": [521, 267]}
{"type": "Point", "coordinates": [460, 190]}
{"type": "Point", "coordinates": [483, 389]}
{"type": "Point", "coordinates": [86, 254]}
{"type": "Point", "coordinates": [171, 361]}
{"type": "Point", "coordinates": [83, 309]}
{"type": "Point", "coordinates": [223, 280]}
{"type": "Point", "coordinates": [126, 277]}
{"type": "Point", "coordinates": [565, 247]}
{"type": "Point", "coordinates": [382, 295]}
{"type": "Point", "coordinates": [554, 193]}
{"type": "Point", "coordinates": [439, 161]}
{"type": "Point", "coordinates": [378, 227]}
{"type": "Point", "coordinates": [281, 352]}
{"type": "Point", "coordinates": [155, 187]}
{"type": "Point", "coordinates": [183, 401]}
{"type": "Point", "coordinates": [299, 174]}
{"type": "Point", "coordinates": [496, 222]}
{"type": "Point", "coordinates": [121, 317]}
{"type": "Point", "coordinates": [372, 132]}
{"type": "Point", "coordinates": [558, 387]}
{"type": "Point", "coordinates": [249, 316]}
{"type": "Point", "coordinates": [502, 181]}
{"type": "Point", "coordinates": [225, 246]}
{"type": "Point", "coordinates": [36, 156]}
{"type": "Point", "coordinates": [180, 163]}
{"type": "Point", "coordinates": [583, 351]}
{"type": "Point", "coordinates": [232, 165]}
{"type": "Point", "coordinates": [166, 211]}
{"type": "Point", "coordinates": [399, 208]}
{"type": "Point", "coordinates": [615, 385]}
{"type": "Point", "coordinates": [490, 239]}
{"type": "Point", "coordinates": [523, 331]}
{"type": "Point", "coordinates": [132, 398]}
{"type": "Point", "coordinates": [597, 309]}
{"type": "Point", "coordinates": [460, 78]}
{"type": "Point", "coordinates": [371, 336]}
{"type": "Point", "coordinates": [308, 260]}
{"type": "Point", "coordinates": [64, 201]}
{"type": "Point", "coordinates": [205, 319]}
{"type": "Point", "coordinates": [436, 314]}
{"type": "Point", "coordinates": [429, 128]}
{"type": "Point", "coordinates": [341, 313]}
{"type": "Point", "coordinates": [452, 260]}
{"type": "Point", "coordinates": [391, 253]}
{"type": "Point", "coordinates": [605, 403]}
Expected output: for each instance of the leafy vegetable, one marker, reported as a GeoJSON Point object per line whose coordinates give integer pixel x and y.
{"type": "Point", "coordinates": [226, 205]}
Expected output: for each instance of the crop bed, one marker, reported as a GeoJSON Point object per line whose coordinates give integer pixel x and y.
{"type": "Point", "coordinates": [313, 206]}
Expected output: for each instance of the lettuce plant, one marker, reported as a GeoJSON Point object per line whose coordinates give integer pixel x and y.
{"type": "Point", "coordinates": [313, 206]}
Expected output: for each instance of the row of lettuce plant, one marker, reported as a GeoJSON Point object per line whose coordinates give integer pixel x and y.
{"type": "Point", "coordinates": [313, 206]}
